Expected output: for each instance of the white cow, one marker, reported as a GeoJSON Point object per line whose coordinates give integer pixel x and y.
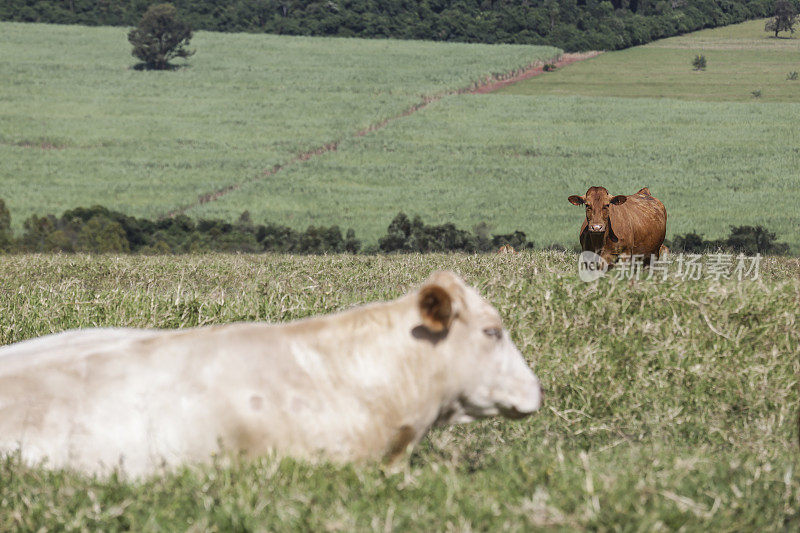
{"type": "Point", "coordinates": [364, 384]}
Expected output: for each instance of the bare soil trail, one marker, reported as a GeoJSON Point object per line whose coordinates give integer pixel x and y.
{"type": "Point", "coordinates": [487, 85]}
{"type": "Point", "coordinates": [533, 70]}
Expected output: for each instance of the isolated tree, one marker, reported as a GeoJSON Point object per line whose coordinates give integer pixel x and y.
{"type": "Point", "coordinates": [785, 18]}
{"type": "Point", "coordinates": [160, 36]}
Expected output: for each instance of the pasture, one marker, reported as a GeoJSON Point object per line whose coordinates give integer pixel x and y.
{"type": "Point", "coordinates": [667, 405]}
{"type": "Point", "coordinates": [741, 58]}
{"type": "Point", "coordinates": [78, 127]}
{"type": "Point", "coordinates": [512, 161]}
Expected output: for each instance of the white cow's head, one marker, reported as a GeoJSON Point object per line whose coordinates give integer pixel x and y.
{"type": "Point", "coordinates": [486, 372]}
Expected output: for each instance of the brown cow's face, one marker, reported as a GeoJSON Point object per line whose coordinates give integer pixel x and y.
{"type": "Point", "coordinates": [597, 202]}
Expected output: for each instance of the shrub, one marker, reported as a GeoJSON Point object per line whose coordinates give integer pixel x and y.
{"type": "Point", "coordinates": [43, 234]}
{"type": "Point", "coordinates": [792, 76]}
{"type": "Point", "coordinates": [160, 37]}
{"type": "Point", "coordinates": [102, 235]}
{"type": "Point", "coordinates": [699, 62]}
{"type": "Point", "coordinates": [754, 239]}
{"type": "Point", "coordinates": [404, 235]}
{"type": "Point", "coordinates": [415, 236]}
{"type": "Point", "coordinates": [691, 243]}
{"type": "Point", "coordinates": [749, 240]}
{"type": "Point", "coordinates": [351, 244]}
{"type": "Point", "coordinates": [518, 240]}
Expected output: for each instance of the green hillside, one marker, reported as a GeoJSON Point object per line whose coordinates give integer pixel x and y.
{"type": "Point", "coordinates": [79, 127]}
{"type": "Point", "coordinates": [512, 161]}
{"type": "Point", "coordinates": [740, 59]}
{"type": "Point", "coordinates": [511, 158]}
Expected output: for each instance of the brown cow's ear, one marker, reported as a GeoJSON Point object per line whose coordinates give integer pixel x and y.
{"type": "Point", "coordinates": [619, 200]}
{"type": "Point", "coordinates": [436, 308]}
{"type": "Point", "coordinates": [576, 200]}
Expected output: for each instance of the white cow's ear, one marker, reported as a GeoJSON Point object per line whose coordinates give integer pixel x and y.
{"type": "Point", "coordinates": [436, 307]}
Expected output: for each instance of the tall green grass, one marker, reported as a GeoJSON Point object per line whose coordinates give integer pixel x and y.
{"type": "Point", "coordinates": [78, 126]}
{"type": "Point", "coordinates": [511, 158]}
{"type": "Point", "coordinates": [667, 405]}
{"type": "Point", "coordinates": [512, 161]}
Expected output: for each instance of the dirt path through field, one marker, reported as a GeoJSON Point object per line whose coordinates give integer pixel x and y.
{"type": "Point", "coordinates": [487, 85]}
{"type": "Point", "coordinates": [533, 70]}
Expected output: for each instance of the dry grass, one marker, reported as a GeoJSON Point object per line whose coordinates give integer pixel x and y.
{"type": "Point", "coordinates": [668, 405]}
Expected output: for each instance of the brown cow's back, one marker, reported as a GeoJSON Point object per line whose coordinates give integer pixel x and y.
{"type": "Point", "coordinates": [640, 224]}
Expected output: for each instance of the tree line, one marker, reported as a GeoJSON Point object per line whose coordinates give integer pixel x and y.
{"type": "Point", "coordinates": [572, 25]}
{"type": "Point", "coordinates": [101, 230]}
{"type": "Point", "coordinates": [748, 240]}
{"type": "Point", "coordinates": [98, 229]}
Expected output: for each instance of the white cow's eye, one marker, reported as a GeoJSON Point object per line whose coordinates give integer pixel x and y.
{"type": "Point", "coordinates": [497, 333]}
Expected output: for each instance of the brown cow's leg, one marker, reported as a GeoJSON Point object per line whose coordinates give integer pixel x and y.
{"type": "Point", "coordinates": [609, 258]}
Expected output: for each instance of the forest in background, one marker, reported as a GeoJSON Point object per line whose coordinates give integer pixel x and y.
{"type": "Point", "coordinates": [572, 25]}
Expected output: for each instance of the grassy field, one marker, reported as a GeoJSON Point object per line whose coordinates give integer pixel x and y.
{"type": "Point", "coordinates": [714, 154]}
{"type": "Point", "coordinates": [78, 126]}
{"type": "Point", "coordinates": [741, 59]}
{"type": "Point", "coordinates": [512, 161]}
{"type": "Point", "coordinates": [667, 405]}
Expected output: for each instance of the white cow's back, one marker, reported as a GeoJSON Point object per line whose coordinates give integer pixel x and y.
{"type": "Point", "coordinates": [68, 345]}
{"type": "Point", "coordinates": [77, 398]}
{"type": "Point", "coordinates": [93, 399]}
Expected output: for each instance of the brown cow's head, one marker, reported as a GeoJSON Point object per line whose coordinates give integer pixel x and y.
{"type": "Point", "coordinates": [597, 201]}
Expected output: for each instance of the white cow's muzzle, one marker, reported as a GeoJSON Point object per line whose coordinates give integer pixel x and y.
{"type": "Point", "coordinates": [521, 394]}
{"type": "Point", "coordinates": [526, 401]}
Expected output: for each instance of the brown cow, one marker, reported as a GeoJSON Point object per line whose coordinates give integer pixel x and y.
{"type": "Point", "coordinates": [622, 225]}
